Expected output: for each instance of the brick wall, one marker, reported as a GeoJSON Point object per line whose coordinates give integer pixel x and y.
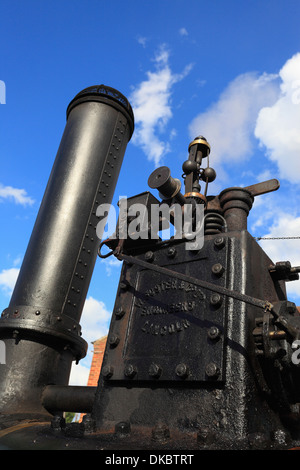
{"type": "Point", "coordinates": [99, 348]}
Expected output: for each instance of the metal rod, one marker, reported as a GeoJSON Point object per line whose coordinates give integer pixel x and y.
{"type": "Point", "coordinates": [199, 282]}
{"type": "Point", "coordinates": [68, 398]}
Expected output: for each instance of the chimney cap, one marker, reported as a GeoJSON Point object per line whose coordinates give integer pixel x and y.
{"type": "Point", "coordinates": [107, 95]}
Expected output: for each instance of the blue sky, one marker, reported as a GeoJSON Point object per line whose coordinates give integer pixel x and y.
{"type": "Point", "coordinates": [229, 70]}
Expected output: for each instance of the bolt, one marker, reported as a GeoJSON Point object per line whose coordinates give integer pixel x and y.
{"type": "Point", "coordinates": [155, 370]}
{"type": "Point", "coordinates": [119, 312]}
{"type": "Point", "coordinates": [107, 371]}
{"type": "Point", "coordinates": [171, 252]}
{"type": "Point", "coordinates": [182, 371]}
{"type": "Point", "coordinates": [279, 436]}
{"type": "Point", "coordinates": [122, 428]}
{"type": "Point", "coordinates": [213, 332]}
{"type": "Point", "coordinates": [205, 436]}
{"type": "Point", "coordinates": [219, 242]}
{"type": "Point", "coordinates": [217, 269]}
{"type": "Point", "coordinates": [57, 423]}
{"type": "Point", "coordinates": [37, 312]}
{"type": "Point", "coordinates": [216, 300]}
{"type": "Point", "coordinates": [88, 424]}
{"type": "Point", "coordinates": [130, 371]}
{"type": "Point", "coordinates": [124, 285]}
{"type": "Point", "coordinates": [212, 370]}
{"type": "Point", "coordinates": [114, 340]}
{"type": "Point", "coordinates": [149, 256]}
{"type": "Point", "coordinates": [160, 432]}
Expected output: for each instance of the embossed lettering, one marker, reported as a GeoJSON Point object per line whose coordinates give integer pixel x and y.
{"type": "Point", "coordinates": [156, 329]}
{"type": "Point", "coordinates": [170, 308]}
{"type": "Point", "coordinates": [174, 284]}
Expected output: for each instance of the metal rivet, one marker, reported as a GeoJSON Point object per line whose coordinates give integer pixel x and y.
{"type": "Point", "coordinates": [119, 312]}
{"type": "Point", "coordinates": [114, 340]}
{"type": "Point", "coordinates": [149, 256]}
{"type": "Point", "coordinates": [107, 371]}
{"type": "Point", "coordinates": [124, 285]}
{"type": "Point", "coordinates": [216, 300]}
{"type": "Point", "coordinates": [171, 252]}
{"type": "Point", "coordinates": [182, 371]}
{"type": "Point", "coordinates": [217, 269]}
{"type": "Point", "coordinates": [213, 332]}
{"type": "Point", "coordinates": [212, 370]}
{"type": "Point", "coordinates": [155, 371]}
{"type": "Point", "coordinates": [130, 371]}
{"type": "Point", "coordinates": [123, 428]}
{"type": "Point", "coordinates": [219, 242]}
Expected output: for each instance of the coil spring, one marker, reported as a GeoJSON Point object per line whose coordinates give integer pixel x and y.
{"type": "Point", "coordinates": [214, 223]}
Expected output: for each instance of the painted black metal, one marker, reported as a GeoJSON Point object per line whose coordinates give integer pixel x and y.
{"type": "Point", "coordinates": [56, 398]}
{"type": "Point", "coordinates": [186, 358]}
{"type": "Point", "coordinates": [166, 314]}
{"type": "Point", "coordinates": [41, 326]}
{"type": "Point", "coordinates": [199, 350]}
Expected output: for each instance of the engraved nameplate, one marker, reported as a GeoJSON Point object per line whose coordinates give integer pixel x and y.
{"type": "Point", "coordinates": [168, 323]}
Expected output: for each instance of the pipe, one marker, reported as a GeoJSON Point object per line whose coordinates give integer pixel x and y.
{"type": "Point", "coordinates": [41, 326]}
{"type": "Point", "coordinates": [68, 398]}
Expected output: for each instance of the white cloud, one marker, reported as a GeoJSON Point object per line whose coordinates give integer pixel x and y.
{"type": "Point", "coordinates": [278, 125]}
{"type": "Point", "coordinates": [95, 320]}
{"type": "Point", "coordinates": [151, 102]}
{"type": "Point", "coordinates": [229, 123]}
{"type": "Point", "coordinates": [79, 374]}
{"type": "Point", "coordinates": [183, 32]}
{"type": "Point", "coordinates": [111, 263]}
{"type": "Point", "coordinates": [19, 196]}
{"type": "Point", "coordinates": [142, 40]}
{"type": "Point", "coordinates": [8, 279]}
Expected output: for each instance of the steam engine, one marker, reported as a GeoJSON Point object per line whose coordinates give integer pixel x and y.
{"type": "Point", "coordinates": [201, 350]}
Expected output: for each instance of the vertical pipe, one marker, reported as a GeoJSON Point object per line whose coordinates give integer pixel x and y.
{"type": "Point", "coordinates": [236, 204]}
{"type": "Point", "coordinates": [41, 325]}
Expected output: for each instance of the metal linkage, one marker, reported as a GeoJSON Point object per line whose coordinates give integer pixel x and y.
{"type": "Point", "coordinates": [264, 304]}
